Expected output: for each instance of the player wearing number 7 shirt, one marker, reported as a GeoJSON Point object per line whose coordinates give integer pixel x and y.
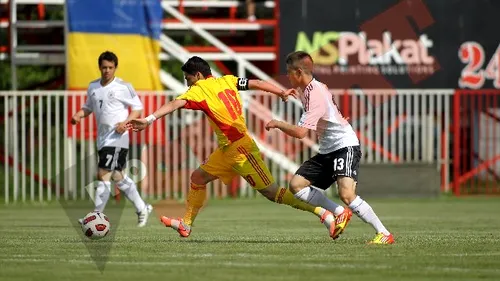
{"type": "Point", "coordinates": [110, 98]}
{"type": "Point", "coordinates": [339, 152]}
{"type": "Point", "coordinates": [237, 153]}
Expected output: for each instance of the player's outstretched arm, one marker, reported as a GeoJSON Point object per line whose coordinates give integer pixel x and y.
{"type": "Point", "coordinates": [141, 124]}
{"type": "Point", "coordinates": [122, 127]}
{"type": "Point", "coordinates": [315, 109]}
{"type": "Point", "coordinates": [167, 109]}
{"type": "Point", "coordinates": [82, 113]}
{"type": "Point", "coordinates": [134, 114]}
{"type": "Point", "coordinates": [255, 84]}
{"type": "Point", "coordinates": [289, 129]}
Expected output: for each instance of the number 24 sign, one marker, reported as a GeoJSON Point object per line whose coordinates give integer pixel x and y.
{"type": "Point", "coordinates": [473, 76]}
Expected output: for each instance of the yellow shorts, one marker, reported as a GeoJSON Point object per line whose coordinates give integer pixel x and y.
{"type": "Point", "coordinates": [239, 158]}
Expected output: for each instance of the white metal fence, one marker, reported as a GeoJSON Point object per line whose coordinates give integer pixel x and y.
{"type": "Point", "coordinates": [45, 158]}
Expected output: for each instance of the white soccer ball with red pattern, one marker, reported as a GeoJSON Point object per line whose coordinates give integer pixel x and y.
{"type": "Point", "coordinates": [96, 225]}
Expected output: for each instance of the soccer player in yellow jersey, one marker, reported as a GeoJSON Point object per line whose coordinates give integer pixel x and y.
{"type": "Point", "coordinates": [237, 153]}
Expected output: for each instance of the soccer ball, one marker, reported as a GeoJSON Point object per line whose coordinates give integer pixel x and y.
{"type": "Point", "coordinates": [95, 225]}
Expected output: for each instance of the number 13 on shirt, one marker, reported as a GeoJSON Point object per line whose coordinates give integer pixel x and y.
{"type": "Point", "coordinates": [230, 100]}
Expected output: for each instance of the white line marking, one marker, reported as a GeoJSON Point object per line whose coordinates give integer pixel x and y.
{"type": "Point", "coordinates": [246, 255]}
{"type": "Point", "coordinates": [333, 265]}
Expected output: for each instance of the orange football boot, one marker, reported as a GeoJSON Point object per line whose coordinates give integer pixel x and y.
{"type": "Point", "coordinates": [178, 225]}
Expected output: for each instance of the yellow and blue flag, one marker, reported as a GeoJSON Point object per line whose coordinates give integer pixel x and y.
{"type": "Point", "coordinates": [129, 28]}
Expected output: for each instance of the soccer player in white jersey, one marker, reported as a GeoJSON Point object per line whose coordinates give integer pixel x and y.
{"type": "Point", "coordinates": [110, 98]}
{"type": "Point", "coordinates": [339, 152]}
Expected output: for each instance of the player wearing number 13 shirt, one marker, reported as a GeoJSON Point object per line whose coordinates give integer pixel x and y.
{"type": "Point", "coordinates": [339, 151]}
{"type": "Point", "coordinates": [237, 154]}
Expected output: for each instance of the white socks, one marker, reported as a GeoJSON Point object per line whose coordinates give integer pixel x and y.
{"type": "Point", "coordinates": [128, 187]}
{"type": "Point", "coordinates": [366, 213]}
{"type": "Point", "coordinates": [102, 193]}
{"type": "Point", "coordinates": [316, 198]}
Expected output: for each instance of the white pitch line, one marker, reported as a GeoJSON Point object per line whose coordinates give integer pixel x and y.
{"type": "Point", "coordinates": [333, 265]}
{"type": "Point", "coordinates": [250, 255]}
{"type": "Point", "coordinates": [190, 263]}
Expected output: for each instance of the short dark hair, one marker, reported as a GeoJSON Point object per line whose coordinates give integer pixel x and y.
{"type": "Point", "coordinates": [296, 60]}
{"type": "Point", "coordinates": [196, 64]}
{"type": "Point", "coordinates": [109, 56]}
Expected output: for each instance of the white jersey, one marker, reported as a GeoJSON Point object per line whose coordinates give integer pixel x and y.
{"type": "Point", "coordinates": [110, 105]}
{"type": "Point", "coordinates": [322, 115]}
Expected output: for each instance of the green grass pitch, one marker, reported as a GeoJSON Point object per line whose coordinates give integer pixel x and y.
{"type": "Point", "coordinates": [436, 239]}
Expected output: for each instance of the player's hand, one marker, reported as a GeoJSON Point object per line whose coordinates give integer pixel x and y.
{"type": "Point", "coordinates": [137, 125]}
{"type": "Point", "coordinates": [272, 124]}
{"type": "Point", "coordinates": [76, 119]}
{"type": "Point", "coordinates": [121, 127]}
{"type": "Point", "coordinates": [290, 92]}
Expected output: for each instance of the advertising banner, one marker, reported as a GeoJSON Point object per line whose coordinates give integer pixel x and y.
{"type": "Point", "coordinates": [395, 44]}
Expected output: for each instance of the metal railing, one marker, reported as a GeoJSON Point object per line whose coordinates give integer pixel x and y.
{"type": "Point", "coordinates": [45, 158]}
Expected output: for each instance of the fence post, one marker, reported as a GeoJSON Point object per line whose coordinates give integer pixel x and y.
{"type": "Point", "coordinates": [456, 142]}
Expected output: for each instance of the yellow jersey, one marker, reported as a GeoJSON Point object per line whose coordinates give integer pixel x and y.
{"type": "Point", "coordinates": [220, 100]}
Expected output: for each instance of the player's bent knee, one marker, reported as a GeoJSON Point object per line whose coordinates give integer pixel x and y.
{"type": "Point", "coordinates": [197, 177]}
{"type": "Point", "coordinates": [347, 189]}
{"type": "Point", "coordinates": [298, 183]}
{"type": "Point", "coordinates": [103, 175]}
{"type": "Point", "coordinates": [200, 177]}
{"type": "Point", "coordinates": [117, 176]}
{"type": "Point", "coordinates": [269, 192]}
